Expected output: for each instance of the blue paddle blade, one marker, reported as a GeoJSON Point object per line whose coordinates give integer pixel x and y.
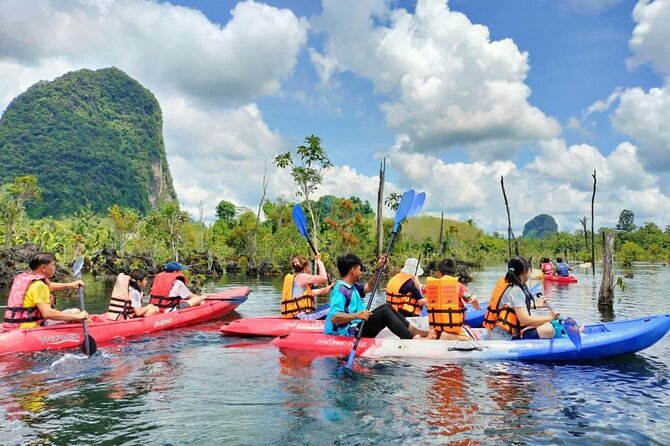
{"type": "Point", "coordinates": [78, 265]}
{"type": "Point", "coordinates": [572, 329]}
{"type": "Point", "coordinates": [300, 220]}
{"type": "Point", "coordinates": [536, 289]}
{"type": "Point", "coordinates": [350, 361]}
{"type": "Point", "coordinates": [403, 208]}
{"type": "Point", "coordinates": [417, 204]}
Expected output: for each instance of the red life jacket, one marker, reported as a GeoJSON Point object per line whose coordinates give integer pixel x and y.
{"type": "Point", "coordinates": [16, 313]}
{"type": "Point", "coordinates": [160, 290]}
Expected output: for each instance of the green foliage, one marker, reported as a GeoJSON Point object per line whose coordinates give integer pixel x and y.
{"type": "Point", "coordinates": [540, 226]}
{"type": "Point", "coordinates": [626, 221]}
{"type": "Point", "coordinates": [630, 252]}
{"type": "Point", "coordinates": [91, 138]}
{"type": "Point", "coordinates": [225, 210]}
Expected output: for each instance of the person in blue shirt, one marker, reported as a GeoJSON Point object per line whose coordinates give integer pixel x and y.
{"type": "Point", "coordinates": [562, 268]}
{"type": "Point", "coordinates": [347, 308]}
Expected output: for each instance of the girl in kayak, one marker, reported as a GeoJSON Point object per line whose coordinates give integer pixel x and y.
{"type": "Point", "coordinates": [297, 293]}
{"type": "Point", "coordinates": [126, 301]}
{"type": "Point", "coordinates": [547, 267]}
{"type": "Point", "coordinates": [509, 310]}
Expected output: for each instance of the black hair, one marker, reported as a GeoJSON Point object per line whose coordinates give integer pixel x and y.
{"type": "Point", "coordinates": [517, 266]}
{"type": "Point", "coordinates": [39, 259]}
{"type": "Point", "coordinates": [545, 259]}
{"type": "Point", "coordinates": [346, 262]}
{"type": "Point", "coordinates": [447, 267]}
{"type": "Point", "coordinates": [559, 259]}
{"type": "Point", "coordinates": [136, 277]}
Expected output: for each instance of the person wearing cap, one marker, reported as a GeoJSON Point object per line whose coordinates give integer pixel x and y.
{"type": "Point", "coordinates": [170, 292]}
{"type": "Point", "coordinates": [347, 309]}
{"type": "Point", "coordinates": [403, 291]}
{"type": "Point", "coordinates": [446, 297]}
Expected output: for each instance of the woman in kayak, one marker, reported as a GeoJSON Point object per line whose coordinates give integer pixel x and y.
{"type": "Point", "coordinates": [509, 310]}
{"type": "Point", "coordinates": [126, 301]}
{"type": "Point", "coordinates": [297, 293]}
{"type": "Point", "coordinates": [347, 308]}
{"type": "Point", "coordinates": [547, 267]}
{"type": "Point", "coordinates": [31, 300]}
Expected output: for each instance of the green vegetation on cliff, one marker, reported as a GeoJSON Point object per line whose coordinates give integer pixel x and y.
{"type": "Point", "coordinates": [92, 139]}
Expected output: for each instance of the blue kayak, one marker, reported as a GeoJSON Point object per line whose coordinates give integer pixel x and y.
{"type": "Point", "coordinates": [598, 341]}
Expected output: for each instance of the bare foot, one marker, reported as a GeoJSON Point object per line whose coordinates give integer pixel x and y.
{"type": "Point", "coordinates": [417, 331]}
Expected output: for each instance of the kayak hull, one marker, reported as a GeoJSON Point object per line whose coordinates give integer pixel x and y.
{"type": "Point", "coordinates": [598, 341]}
{"type": "Point", "coordinates": [560, 279]}
{"type": "Point", "coordinates": [66, 336]}
{"type": "Point", "coordinates": [275, 326]}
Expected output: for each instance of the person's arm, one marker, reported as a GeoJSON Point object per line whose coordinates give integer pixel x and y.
{"type": "Point", "coordinates": [532, 321]}
{"type": "Point", "coordinates": [341, 317]}
{"type": "Point", "coordinates": [182, 290]}
{"type": "Point", "coordinates": [371, 282]}
{"type": "Point", "coordinates": [56, 286]}
{"type": "Point", "coordinates": [322, 291]}
{"type": "Point", "coordinates": [51, 313]}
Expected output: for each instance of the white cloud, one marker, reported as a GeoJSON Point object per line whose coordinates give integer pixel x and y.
{"type": "Point", "coordinates": [592, 6]}
{"type": "Point", "coordinates": [651, 37]}
{"type": "Point", "coordinates": [168, 48]}
{"type": "Point", "coordinates": [450, 84]}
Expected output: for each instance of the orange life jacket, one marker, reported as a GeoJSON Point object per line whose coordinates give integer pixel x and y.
{"type": "Point", "coordinates": [160, 290]}
{"type": "Point", "coordinates": [292, 306]}
{"type": "Point", "coordinates": [445, 309]}
{"type": "Point", "coordinates": [405, 303]}
{"type": "Point", "coordinates": [504, 317]}
{"type": "Point", "coordinates": [16, 313]}
{"type": "Point", "coordinates": [120, 306]}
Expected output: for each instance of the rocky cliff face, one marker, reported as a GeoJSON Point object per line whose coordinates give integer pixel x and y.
{"type": "Point", "coordinates": [92, 138]}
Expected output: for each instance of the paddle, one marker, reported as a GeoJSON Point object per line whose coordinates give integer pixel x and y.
{"type": "Point", "coordinates": [403, 209]}
{"type": "Point", "coordinates": [89, 346]}
{"type": "Point", "coordinates": [571, 326]}
{"type": "Point", "coordinates": [417, 204]}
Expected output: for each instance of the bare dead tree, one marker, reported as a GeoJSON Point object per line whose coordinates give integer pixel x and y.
{"type": "Point", "coordinates": [380, 207]}
{"type": "Point", "coordinates": [606, 293]}
{"type": "Point", "coordinates": [441, 233]}
{"type": "Point", "coordinates": [265, 182]}
{"type": "Point", "coordinates": [593, 234]}
{"type": "Point", "coordinates": [586, 233]}
{"type": "Point", "coordinates": [201, 226]}
{"type": "Point", "coordinates": [510, 233]}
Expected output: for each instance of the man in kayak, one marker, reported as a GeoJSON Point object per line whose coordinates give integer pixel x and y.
{"type": "Point", "coordinates": [562, 268]}
{"type": "Point", "coordinates": [31, 300]}
{"type": "Point", "coordinates": [169, 291]}
{"type": "Point", "coordinates": [347, 308]}
{"type": "Point", "coordinates": [297, 297]}
{"type": "Point", "coordinates": [508, 312]}
{"type": "Point", "coordinates": [447, 297]}
{"type": "Point", "coordinates": [403, 291]}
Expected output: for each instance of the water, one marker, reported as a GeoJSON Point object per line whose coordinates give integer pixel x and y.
{"type": "Point", "coordinates": [192, 386]}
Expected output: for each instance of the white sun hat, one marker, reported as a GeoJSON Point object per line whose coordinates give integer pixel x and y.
{"type": "Point", "coordinates": [410, 267]}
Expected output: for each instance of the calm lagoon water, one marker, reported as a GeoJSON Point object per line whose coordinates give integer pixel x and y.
{"type": "Point", "coordinates": [192, 386]}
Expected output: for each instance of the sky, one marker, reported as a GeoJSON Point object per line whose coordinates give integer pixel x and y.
{"type": "Point", "coordinates": [453, 94]}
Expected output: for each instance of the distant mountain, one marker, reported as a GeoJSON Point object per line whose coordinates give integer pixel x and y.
{"type": "Point", "coordinates": [91, 138]}
{"type": "Point", "coordinates": [540, 226]}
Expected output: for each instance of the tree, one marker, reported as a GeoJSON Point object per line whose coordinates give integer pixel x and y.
{"type": "Point", "coordinates": [225, 210]}
{"type": "Point", "coordinates": [13, 198]}
{"type": "Point", "coordinates": [540, 226]}
{"type": "Point", "coordinates": [393, 201]}
{"type": "Point", "coordinates": [308, 175]}
{"type": "Point", "coordinates": [626, 221]}
{"type": "Point", "coordinates": [125, 222]}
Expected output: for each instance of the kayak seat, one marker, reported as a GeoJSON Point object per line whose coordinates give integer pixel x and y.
{"type": "Point", "coordinates": [600, 328]}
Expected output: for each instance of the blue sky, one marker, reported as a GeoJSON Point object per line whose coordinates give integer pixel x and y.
{"type": "Point", "coordinates": [453, 94]}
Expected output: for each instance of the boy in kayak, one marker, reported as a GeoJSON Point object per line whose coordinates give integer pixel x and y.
{"type": "Point", "coordinates": [508, 312]}
{"type": "Point", "coordinates": [403, 291]}
{"type": "Point", "coordinates": [31, 300]}
{"type": "Point", "coordinates": [447, 297]}
{"type": "Point", "coordinates": [347, 308]}
{"type": "Point", "coordinates": [562, 268]}
{"type": "Point", "coordinates": [169, 291]}
{"type": "Point", "coordinates": [126, 301]}
{"type": "Point", "coordinates": [297, 294]}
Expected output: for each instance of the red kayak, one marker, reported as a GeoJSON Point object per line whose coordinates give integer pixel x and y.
{"type": "Point", "coordinates": [103, 330]}
{"type": "Point", "coordinates": [560, 279]}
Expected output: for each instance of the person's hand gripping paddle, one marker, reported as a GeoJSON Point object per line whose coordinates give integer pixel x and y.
{"type": "Point", "coordinates": [571, 325]}
{"type": "Point", "coordinates": [88, 346]}
{"type": "Point", "coordinates": [403, 210]}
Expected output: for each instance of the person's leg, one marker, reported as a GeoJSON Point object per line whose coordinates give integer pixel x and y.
{"type": "Point", "coordinates": [195, 301]}
{"type": "Point", "coordinates": [386, 316]}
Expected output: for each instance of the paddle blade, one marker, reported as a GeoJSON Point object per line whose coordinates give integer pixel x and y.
{"type": "Point", "coordinates": [350, 361]}
{"type": "Point", "coordinates": [572, 329]}
{"type": "Point", "coordinates": [417, 204]}
{"type": "Point", "coordinates": [536, 289]}
{"type": "Point", "coordinates": [300, 220]}
{"type": "Point", "coordinates": [89, 346]}
{"type": "Point", "coordinates": [403, 208]}
{"type": "Point", "coordinates": [78, 265]}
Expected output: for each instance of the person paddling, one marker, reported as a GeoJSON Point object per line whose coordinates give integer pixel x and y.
{"type": "Point", "coordinates": [509, 310]}
{"type": "Point", "coordinates": [31, 300]}
{"type": "Point", "coordinates": [446, 298]}
{"type": "Point", "coordinates": [547, 267]}
{"type": "Point", "coordinates": [170, 292]}
{"type": "Point", "coordinates": [562, 268]}
{"type": "Point", "coordinates": [403, 291]}
{"type": "Point", "coordinates": [347, 308]}
{"type": "Point", "coordinates": [297, 297]}
{"type": "Point", "coordinates": [126, 301]}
